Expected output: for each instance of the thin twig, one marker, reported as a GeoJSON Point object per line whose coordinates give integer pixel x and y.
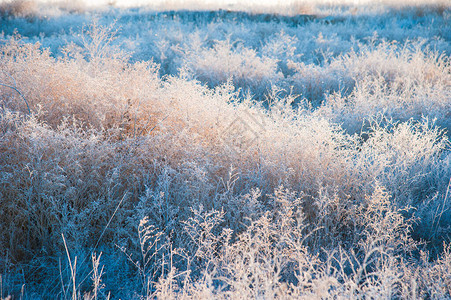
{"type": "Point", "coordinates": [443, 207]}
{"type": "Point", "coordinates": [101, 235]}
{"type": "Point", "coordinates": [72, 269]}
{"type": "Point", "coordinates": [103, 232]}
{"type": "Point", "coordinates": [14, 88]}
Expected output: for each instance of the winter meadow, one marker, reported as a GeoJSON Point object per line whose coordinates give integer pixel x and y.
{"type": "Point", "coordinates": [190, 150]}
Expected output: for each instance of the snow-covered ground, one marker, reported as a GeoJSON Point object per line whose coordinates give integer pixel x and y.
{"type": "Point", "coordinates": [237, 4]}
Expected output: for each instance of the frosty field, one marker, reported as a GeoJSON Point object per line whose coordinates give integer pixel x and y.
{"type": "Point", "coordinates": [193, 151]}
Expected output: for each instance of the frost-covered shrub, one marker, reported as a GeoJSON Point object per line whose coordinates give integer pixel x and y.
{"type": "Point", "coordinates": [230, 156]}
{"type": "Point", "coordinates": [398, 83]}
{"type": "Point", "coordinates": [227, 60]}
